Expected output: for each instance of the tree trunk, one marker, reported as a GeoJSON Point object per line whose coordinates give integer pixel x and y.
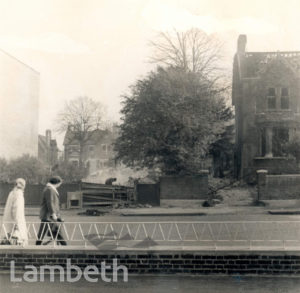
{"type": "Point", "coordinates": [81, 146]}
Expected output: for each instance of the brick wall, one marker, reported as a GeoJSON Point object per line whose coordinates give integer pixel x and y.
{"type": "Point", "coordinates": [33, 192]}
{"type": "Point", "coordinates": [148, 194]}
{"type": "Point", "coordinates": [277, 187]}
{"type": "Point", "coordinates": [163, 262]}
{"type": "Point", "coordinates": [277, 166]}
{"type": "Point", "coordinates": [184, 187]}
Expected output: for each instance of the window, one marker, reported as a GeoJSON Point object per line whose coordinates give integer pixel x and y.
{"type": "Point", "coordinates": [74, 203]}
{"type": "Point", "coordinates": [91, 151]}
{"type": "Point", "coordinates": [284, 99]}
{"type": "Point", "coordinates": [271, 92]}
{"type": "Point", "coordinates": [73, 149]}
{"type": "Point", "coordinates": [75, 163]}
{"type": "Point", "coordinates": [100, 164]}
{"type": "Point", "coordinates": [271, 98]}
{"type": "Point", "coordinates": [263, 142]}
{"type": "Point", "coordinates": [104, 147]}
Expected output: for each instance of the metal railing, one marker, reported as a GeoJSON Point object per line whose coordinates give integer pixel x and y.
{"type": "Point", "coordinates": [206, 235]}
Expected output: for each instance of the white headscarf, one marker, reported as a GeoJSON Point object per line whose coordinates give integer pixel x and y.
{"type": "Point", "coordinates": [20, 183]}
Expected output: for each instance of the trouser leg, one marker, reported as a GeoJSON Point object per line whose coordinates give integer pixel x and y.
{"type": "Point", "coordinates": [60, 239]}
{"type": "Point", "coordinates": [42, 232]}
{"type": "Point", "coordinates": [58, 234]}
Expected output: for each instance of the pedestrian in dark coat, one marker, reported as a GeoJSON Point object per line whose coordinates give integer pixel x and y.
{"type": "Point", "coordinates": [50, 213]}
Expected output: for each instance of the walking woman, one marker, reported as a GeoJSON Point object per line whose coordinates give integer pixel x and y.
{"type": "Point", "coordinates": [13, 229]}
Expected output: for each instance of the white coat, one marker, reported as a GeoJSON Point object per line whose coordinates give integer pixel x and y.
{"type": "Point", "coordinates": [14, 215]}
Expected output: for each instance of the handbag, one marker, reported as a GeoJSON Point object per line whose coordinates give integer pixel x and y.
{"type": "Point", "coordinates": [12, 238]}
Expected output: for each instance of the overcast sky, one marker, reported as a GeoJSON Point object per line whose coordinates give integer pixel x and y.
{"type": "Point", "coordinates": [99, 47]}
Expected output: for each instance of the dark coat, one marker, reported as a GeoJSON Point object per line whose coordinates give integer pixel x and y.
{"type": "Point", "coordinates": [50, 204]}
{"type": "Point", "coordinates": [110, 181]}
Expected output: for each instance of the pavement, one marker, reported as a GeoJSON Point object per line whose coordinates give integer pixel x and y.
{"type": "Point", "coordinates": [271, 207]}
{"type": "Point", "coordinates": [213, 216]}
{"type": "Point", "coordinates": [273, 210]}
{"type": "Point", "coordinates": [160, 211]}
{"type": "Point", "coordinates": [186, 210]}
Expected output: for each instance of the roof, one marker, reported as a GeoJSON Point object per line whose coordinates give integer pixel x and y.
{"type": "Point", "coordinates": [94, 136]}
{"type": "Point", "coordinates": [253, 64]}
{"type": "Point", "coordinates": [43, 142]}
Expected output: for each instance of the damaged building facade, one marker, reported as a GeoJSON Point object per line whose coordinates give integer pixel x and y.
{"type": "Point", "coordinates": [266, 97]}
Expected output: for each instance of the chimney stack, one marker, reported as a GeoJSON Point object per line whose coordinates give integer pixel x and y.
{"type": "Point", "coordinates": [241, 44]}
{"type": "Point", "coordinates": [48, 137]}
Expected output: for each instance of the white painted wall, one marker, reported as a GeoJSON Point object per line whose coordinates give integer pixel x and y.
{"type": "Point", "coordinates": [19, 107]}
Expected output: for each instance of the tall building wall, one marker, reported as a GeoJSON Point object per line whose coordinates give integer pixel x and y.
{"type": "Point", "coordinates": [266, 96]}
{"type": "Point", "coordinates": [19, 106]}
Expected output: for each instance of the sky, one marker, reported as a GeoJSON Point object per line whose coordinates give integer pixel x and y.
{"type": "Point", "coordinates": [98, 48]}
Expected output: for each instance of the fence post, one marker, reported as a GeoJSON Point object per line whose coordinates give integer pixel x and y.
{"type": "Point", "coordinates": [261, 182]}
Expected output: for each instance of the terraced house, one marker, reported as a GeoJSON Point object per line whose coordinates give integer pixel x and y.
{"type": "Point", "coordinates": [266, 96]}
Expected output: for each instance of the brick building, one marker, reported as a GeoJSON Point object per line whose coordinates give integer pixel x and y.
{"type": "Point", "coordinates": [266, 96]}
{"type": "Point", "coordinates": [47, 149]}
{"type": "Point", "coordinates": [97, 150]}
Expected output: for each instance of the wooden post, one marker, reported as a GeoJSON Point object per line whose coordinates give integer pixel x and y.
{"type": "Point", "coordinates": [261, 182]}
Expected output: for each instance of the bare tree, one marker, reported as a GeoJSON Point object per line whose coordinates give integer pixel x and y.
{"type": "Point", "coordinates": [192, 50]}
{"type": "Point", "coordinates": [81, 116]}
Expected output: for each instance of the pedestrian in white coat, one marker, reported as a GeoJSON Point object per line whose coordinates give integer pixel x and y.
{"type": "Point", "coordinates": [13, 228]}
